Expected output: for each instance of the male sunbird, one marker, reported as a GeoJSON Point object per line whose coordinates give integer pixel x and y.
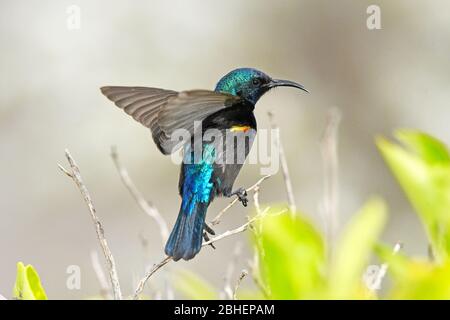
{"type": "Point", "coordinates": [204, 175]}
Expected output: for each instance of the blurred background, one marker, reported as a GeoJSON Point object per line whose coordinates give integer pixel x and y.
{"type": "Point", "coordinates": [50, 76]}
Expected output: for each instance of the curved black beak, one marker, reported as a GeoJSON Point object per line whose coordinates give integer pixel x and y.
{"type": "Point", "coordinates": [286, 83]}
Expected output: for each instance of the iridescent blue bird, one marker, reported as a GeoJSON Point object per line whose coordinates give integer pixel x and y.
{"type": "Point", "coordinates": [227, 109]}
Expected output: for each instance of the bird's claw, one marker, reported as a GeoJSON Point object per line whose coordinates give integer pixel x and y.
{"type": "Point", "coordinates": [241, 193]}
{"type": "Point", "coordinates": [208, 229]}
{"type": "Point", "coordinates": [206, 238]}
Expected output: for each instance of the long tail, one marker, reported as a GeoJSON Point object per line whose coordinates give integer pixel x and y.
{"type": "Point", "coordinates": [186, 238]}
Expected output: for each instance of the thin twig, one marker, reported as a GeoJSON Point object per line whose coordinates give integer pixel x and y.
{"type": "Point", "coordinates": [330, 205]}
{"type": "Point", "coordinates": [166, 260]}
{"type": "Point", "coordinates": [284, 166]}
{"type": "Point", "coordinates": [229, 293]}
{"type": "Point", "coordinates": [104, 286]}
{"type": "Point", "coordinates": [254, 271]}
{"type": "Point", "coordinates": [256, 200]}
{"type": "Point", "coordinates": [145, 206]}
{"type": "Point", "coordinates": [67, 173]}
{"type": "Point", "coordinates": [147, 276]}
{"type": "Point", "coordinates": [227, 289]}
{"type": "Point", "coordinates": [75, 175]}
{"type": "Point", "coordinates": [216, 220]}
{"type": "Point", "coordinates": [228, 233]}
{"type": "Point", "coordinates": [254, 263]}
{"type": "Point", "coordinates": [243, 274]}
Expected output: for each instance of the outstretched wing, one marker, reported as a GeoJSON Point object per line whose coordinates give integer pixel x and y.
{"type": "Point", "coordinates": [164, 111]}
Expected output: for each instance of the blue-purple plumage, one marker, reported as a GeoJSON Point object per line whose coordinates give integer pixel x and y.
{"type": "Point", "coordinates": [228, 107]}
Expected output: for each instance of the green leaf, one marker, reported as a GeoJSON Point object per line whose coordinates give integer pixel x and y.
{"type": "Point", "coordinates": [422, 168]}
{"type": "Point", "coordinates": [425, 146]}
{"type": "Point", "coordinates": [416, 279]}
{"type": "Point", "coordinates": [354, 249]}
{"type": "Point", "coordinates": [193, 287]}
{"type": "Point", "coordinates": [28, 285]}
{"type": "Point", "coordinates": [291, 254]}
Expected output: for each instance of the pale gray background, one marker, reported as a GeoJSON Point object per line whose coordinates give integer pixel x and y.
{"type": "Point", "coordinates": [49, 100]}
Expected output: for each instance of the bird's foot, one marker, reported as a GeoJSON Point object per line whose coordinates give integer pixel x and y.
{"type": "Point", "coordinates": [208, 229]}
{"type": "Point", "coordinates": [241, 193]}
{"type": "Point", "coordinates": [206, 237]}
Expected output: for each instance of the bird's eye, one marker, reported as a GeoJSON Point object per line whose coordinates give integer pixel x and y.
{"type": "Point", "coordinates": [256, 82]}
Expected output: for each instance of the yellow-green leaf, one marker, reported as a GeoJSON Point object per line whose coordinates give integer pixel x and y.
{"type": "Point", "coordinates": [28, 285]}
{"type": "Point", "coordinates": [422, 168]}
{"type": "Point", "coordinates": [425, 146]}
{"type": "Point", "coordinates": [291, 254]}
{"type": "Point", "coordinates": [354, 249]}
{"type": "Point", "coordinates": [416, 279]}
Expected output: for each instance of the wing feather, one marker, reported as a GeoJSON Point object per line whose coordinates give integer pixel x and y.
{"type": "Point", "coordinates": [164, 111]}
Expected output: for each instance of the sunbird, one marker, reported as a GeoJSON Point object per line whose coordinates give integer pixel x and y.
{"type": "Point", "coordinates": [206, 169]}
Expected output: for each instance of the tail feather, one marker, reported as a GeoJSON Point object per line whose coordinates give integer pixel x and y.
{"type": "Point", "coordinates": [186, 238]}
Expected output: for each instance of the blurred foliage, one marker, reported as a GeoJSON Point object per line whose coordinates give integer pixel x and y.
{"type": "Point", "coordinates": [422, 167]}
{"type": "Point", "coordinates": [421, 164]}
{"type": "Point", "coordinates": [28, 285]}
{"type": "Point", "coordinates": [353, 250]}
{"type": "Point", "coordinates": [292, 257]}
{"type": "Point", "coordinates": [416, 278]}
{"type": "Point", "coordinates": [292, 261]}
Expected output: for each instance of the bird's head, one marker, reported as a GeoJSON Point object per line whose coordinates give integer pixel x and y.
{"type": "Point", "coordinates": [250, 84]}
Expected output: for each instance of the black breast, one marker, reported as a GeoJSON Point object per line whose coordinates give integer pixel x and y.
{"type": "Point", "coordinates": [237, 115]}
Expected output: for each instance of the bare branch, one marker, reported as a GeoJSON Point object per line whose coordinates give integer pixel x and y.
{"type": "Point", "coordinates": [256, 200]}
{"type": "Point", "coordinates": [254, 267]}
{"type": "Point", "coordinates": [254, 263]}
{"type": "Point", "coordinates": [147, 276]}
{"type": "Point", "coordinates": [330, 204]}
{"type": "Point", "coordinates": [237, 230]}
{"type": "Point", "coordinates": [145, 206]}
{"type": "Point", "coordinates": [67, 173]}
{"type": "Point", "coordinates": [75, 175]}
{"type": "Point", "coordinates": [104, 286]}
{"type": "Point", "coordinates": [216, 220]}
{"type": "Point", "coordinates": [166, 260]}
{"type": "Point", "coordinates": [243, 274]}
{"type": "Point", "coordinates": [227, 290]}
{"type": "Point", "coordinates": [284, 167]}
